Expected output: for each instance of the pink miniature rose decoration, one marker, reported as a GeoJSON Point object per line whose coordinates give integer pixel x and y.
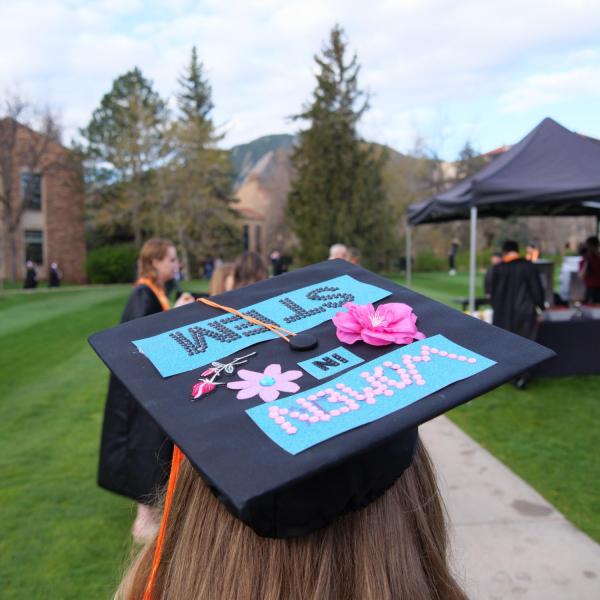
{"type": "Point", "coordinates": [391, 323]}
{"type": "Point", "coordinates": [267, 384]}
{"type": "Point", "coordinates": [201, 388]}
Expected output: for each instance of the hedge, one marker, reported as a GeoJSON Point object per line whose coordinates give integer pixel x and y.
{"type": "Point", "coordinates": [111, 264]}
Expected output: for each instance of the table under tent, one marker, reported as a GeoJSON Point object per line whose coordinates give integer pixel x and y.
{"type": "Point", "coordinates": [552, 171]}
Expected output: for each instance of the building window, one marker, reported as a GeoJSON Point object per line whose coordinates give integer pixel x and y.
{"type": "Point", "coordinates": [257, 238]}
{"type": "Point", "coordinates": [31, 190]}
{"type": "Point", "coordinates": [34, 246]}
{"type": "Point", "coordinates": [245, 237]}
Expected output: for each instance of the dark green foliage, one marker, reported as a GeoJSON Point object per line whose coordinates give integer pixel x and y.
{"type": "Point", "coordinates": [125, 128]}
{"type": "Point", "coordinates": [428, 260]}
{"type": "Point", "coordinates": [125, 142]}
{"type": "Point", "coordinates": [195, 95]}
{"type": "Point", "coordinates": [111, 264]}
{"type": "Point", "coordinates": [198, 178]}
{"type": "Point", "coordinates": [338, 194]}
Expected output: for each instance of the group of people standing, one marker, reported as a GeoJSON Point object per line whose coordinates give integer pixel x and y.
{"type": "Point", "coordinates": [31, 275]}
{"type": "Point", "coordinates": [515, 289]}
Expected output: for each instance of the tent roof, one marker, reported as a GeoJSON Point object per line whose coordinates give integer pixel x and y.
{"type": "Point", "coordinates": [551, 171]}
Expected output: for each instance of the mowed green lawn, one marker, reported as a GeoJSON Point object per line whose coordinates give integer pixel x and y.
{"type": "Point", "coordinates": [62, 537]}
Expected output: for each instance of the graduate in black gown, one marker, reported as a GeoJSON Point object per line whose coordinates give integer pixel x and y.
{"type": "Point", "coordinates": [516, 293]}
{"type": "Point", "coordinates": [135, 454]}
{"type": "Point", "coordinates": [31, 279]}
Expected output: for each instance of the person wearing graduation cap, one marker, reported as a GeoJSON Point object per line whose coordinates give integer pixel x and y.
{"type": "Point", "coordinates": [297, 469]}
{"type": "Point", "coordinates": [135, 453]}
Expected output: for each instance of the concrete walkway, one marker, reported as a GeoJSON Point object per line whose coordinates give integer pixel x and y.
{"type": "Point", "coordinates": [508, 542]}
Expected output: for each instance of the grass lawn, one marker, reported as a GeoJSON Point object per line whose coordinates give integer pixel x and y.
{"type": "Point", "coordinates": [62, 537]}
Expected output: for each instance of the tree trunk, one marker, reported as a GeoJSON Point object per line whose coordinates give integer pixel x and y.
{"type": "Point", "coordinates": [12, 244]}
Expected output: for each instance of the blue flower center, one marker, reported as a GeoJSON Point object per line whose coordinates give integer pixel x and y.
{"type": "Point", "coordinates": [267, 381]}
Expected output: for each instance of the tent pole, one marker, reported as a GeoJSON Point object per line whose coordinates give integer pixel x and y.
{"type": "Point", "coordinates": [473, 259]}
{"type": "Point", "coordinates": [408, 255]}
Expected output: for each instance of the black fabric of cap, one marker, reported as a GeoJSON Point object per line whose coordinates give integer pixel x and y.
{"type": "Point", "coordinates": [276, 493]}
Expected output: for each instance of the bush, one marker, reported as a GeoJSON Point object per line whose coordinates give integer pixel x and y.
{"type": "Point", "coordinates": [428, 260]}
{"type": "Point", "coordinates": [483, 258]}
{"type": "Point", "coordinates": [111, 264]}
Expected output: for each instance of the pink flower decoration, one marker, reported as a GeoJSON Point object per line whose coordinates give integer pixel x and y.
{"type": "Point", "coordinates": [208, 371]}
{"type": "Point", "coordinates": [392, 323]}
{"type": "Point", "coordinates": [201, 388]}
{"type": "Point", "coordinates": [267, 385]}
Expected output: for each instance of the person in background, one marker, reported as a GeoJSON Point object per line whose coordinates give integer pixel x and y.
{"type": "Point", "coordinates": [135, 454]}
{"type": "Point", "coordinates": [219, 276]}
{"type": "Point", "coordinates": [208, 267]}
{"type": "Point", "coordinates": [354, 255]}
{"type": "Point", "coordinates": [54, 276]}
{"type": "Point", "coordinates": [31, 277]}
{"type": "Point", "coordinates": [338, 251]}
{"type": "Point", "coordinates": [532, 252]}
{"type": "Point", "coordinates": [589, 270]}
{"type": "Point", "coordinates": [452, 256]}
{"type": "Point", "coordinates": [248, 268]}
{"type": "Point", "coordinates": [277, 264]}
{"type": "Point", "coordinates": [495, 259]}
{"type": "Point", "coordinates": [516, 293]}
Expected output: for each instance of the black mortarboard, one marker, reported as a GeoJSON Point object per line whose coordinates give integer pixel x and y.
{"type": "Point", "coordinates": [290, 466]}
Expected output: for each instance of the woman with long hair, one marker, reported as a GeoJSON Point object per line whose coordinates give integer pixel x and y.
{"type": "Point", "coordinates": [219, 277]}
{"type": "Point", "coordinates": [393, 549]}
{"type": "Point", "coordinates": [248, 268]}
{"type": "Point", "coordinates": [135, 453]}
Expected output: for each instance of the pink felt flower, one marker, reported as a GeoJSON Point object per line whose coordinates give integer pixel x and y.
{"type": "Point", "coordinates": [391, 323]}
{"type": "Point", "coordinates": [267, 385]}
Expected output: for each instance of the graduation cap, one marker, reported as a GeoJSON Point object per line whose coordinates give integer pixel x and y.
{"type": "Point", "coordinates": [291, 439]}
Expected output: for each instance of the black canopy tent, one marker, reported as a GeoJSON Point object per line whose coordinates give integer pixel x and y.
{"type": "Point", "coordinates": [550, 172]}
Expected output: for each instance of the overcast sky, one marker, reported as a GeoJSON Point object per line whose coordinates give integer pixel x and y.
{"type": "Point", "coordinates": [443, 70]}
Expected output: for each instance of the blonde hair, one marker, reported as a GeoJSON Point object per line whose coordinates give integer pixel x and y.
{"type": "Point", "coordinates": [394, 549]}
{"type": "Point", "coordinates": [153, 249]}
{"type": "Point", "coordinates": [217, 281]}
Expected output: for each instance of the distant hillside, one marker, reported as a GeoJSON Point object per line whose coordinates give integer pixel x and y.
{"type": "Point", "coordinates": [246, 156]}
{"type": "Point", "coordinates": [263, 175]}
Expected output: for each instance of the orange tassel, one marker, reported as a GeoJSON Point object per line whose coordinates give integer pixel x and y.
{"type": "Point", "coordinates": [175, 465]}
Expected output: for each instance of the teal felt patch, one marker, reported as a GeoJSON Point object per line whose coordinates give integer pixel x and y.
{"type": "Point", "coordinates": [367, 393]}
{"type": "Point", "coordinates": [198, 344]}
{"type": "Point", "coordinates": [331, 362]}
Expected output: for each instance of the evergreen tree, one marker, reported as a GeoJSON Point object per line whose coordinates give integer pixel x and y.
{"type": "Point", "coordinates": [199, 176]}
{"type": "Point", "coordinates": [125, 143]}
{"type": "Point", "coordinates": [195, 96]}
{"type": "Point", "coordinates": [337, 194]}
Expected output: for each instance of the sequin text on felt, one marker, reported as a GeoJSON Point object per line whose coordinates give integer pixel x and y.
{"type": "Point", "coordinates": [199, 343]}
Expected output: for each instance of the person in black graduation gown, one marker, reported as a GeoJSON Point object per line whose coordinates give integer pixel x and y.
{"type": "Point", "coordinates": [135, 454]}
{"type": "Point", "coordinates": [31, 279]}
{"type": "Point", "coordinates": [516, 294]}
{"type": "Point", "coordinates": [54, 276]}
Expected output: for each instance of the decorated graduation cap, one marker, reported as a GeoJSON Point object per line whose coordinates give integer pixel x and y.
{"type": "Point", "coordinates": [297, 399]}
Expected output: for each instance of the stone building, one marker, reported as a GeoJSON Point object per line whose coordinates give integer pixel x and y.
{"type": "Point", "coordinates": [41, 205]}
{"type": "Point", "coordinates": [262, 203]}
